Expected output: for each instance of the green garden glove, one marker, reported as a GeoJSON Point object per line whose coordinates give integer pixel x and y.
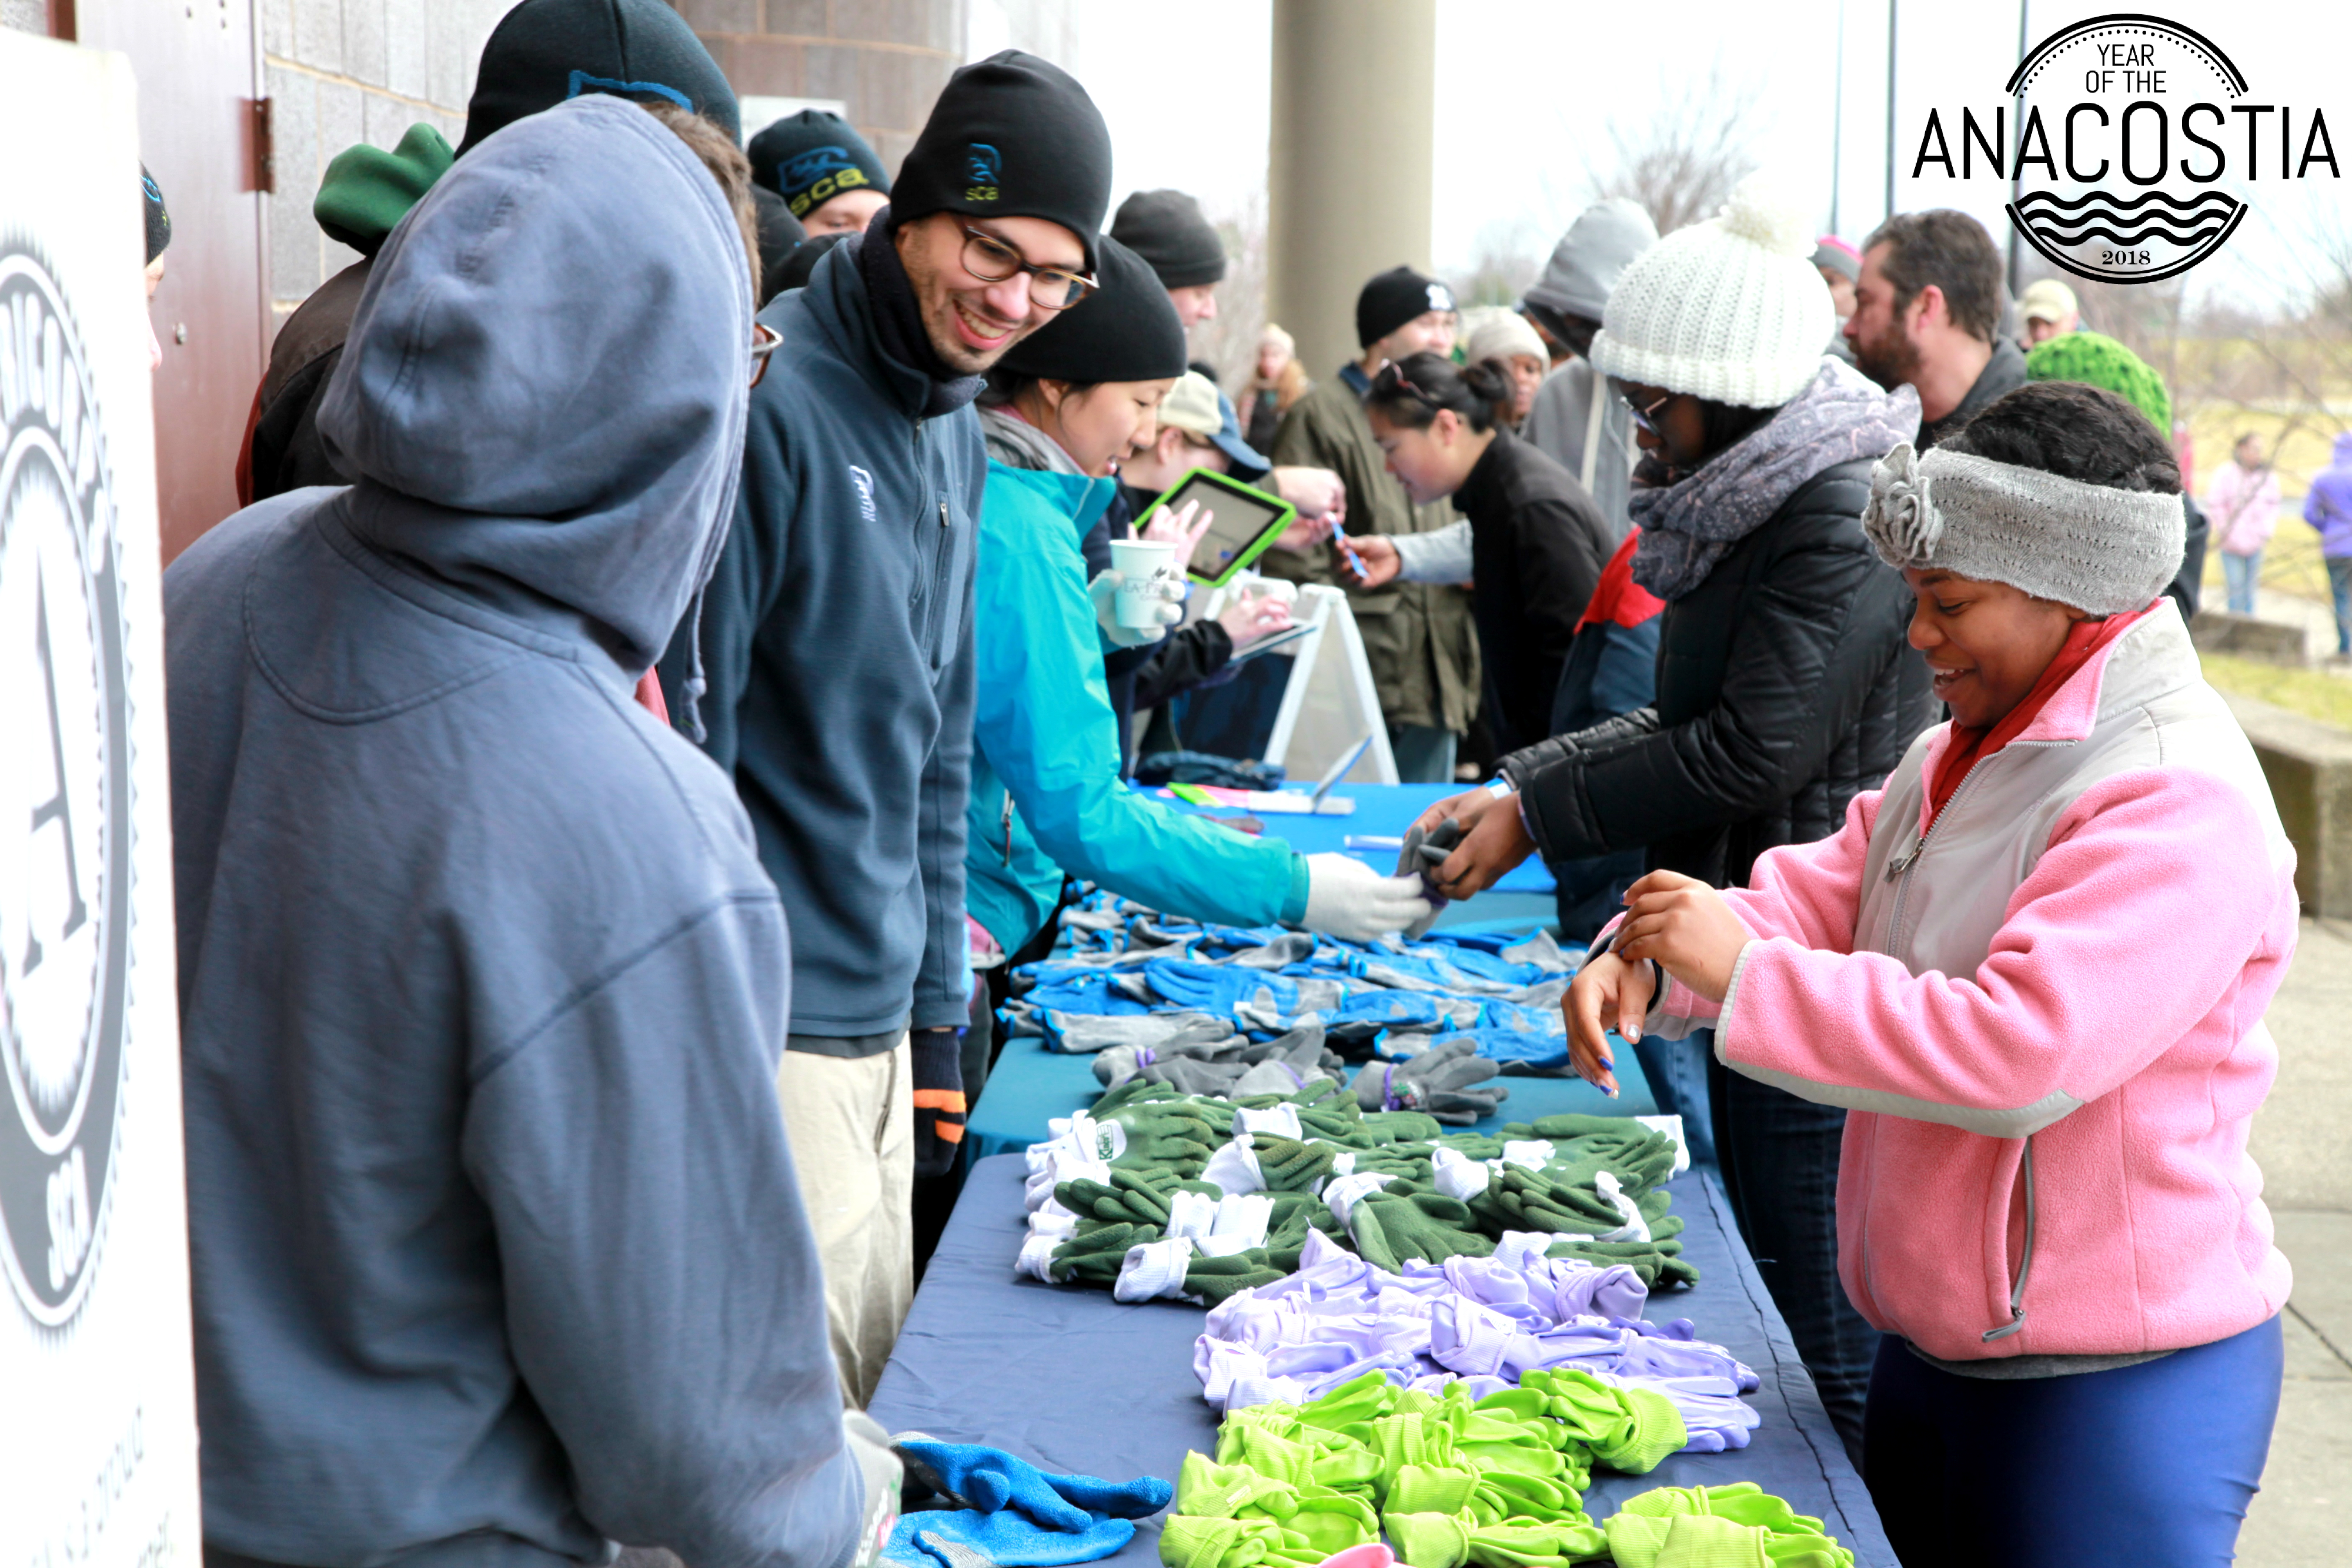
{"type": "Point", "coordinates": [1430, 1489]}
{"type": "Point", "coordinates": [1391, 1228]}
{"type": "Point", "coordinates": [1400, 1127]}
{"type": "Point", "coordinates": [1096, 1254]}
{"type": "Point", "coordinates": [1429, 1540]}
{"type": "Point", "coordinates": [1686, 1541]}
{"type": "Point", "coordinates": [1212, 1490]}
{"type": "Point", "coordinates": [1291, 1165]}
{"type": "Point", "coordinates": [1533, 1545]}
{"type": "Point", "coordinates": [1329, 1522]}
{"type": "Point", "coordinates": [1349, 1409]}
{"type": "Point", "coordinates": [1187, 1541]}
{"type": "Point", "coordinates": [1176, 1135]}
{"type": "Point", "coordinates": [1213, 1279]}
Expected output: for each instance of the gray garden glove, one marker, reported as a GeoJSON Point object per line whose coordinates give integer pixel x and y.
{"type": "Point", "coordinates": [1436, 1082]}
{"type": "Point", "coordinates": [1421, 854]}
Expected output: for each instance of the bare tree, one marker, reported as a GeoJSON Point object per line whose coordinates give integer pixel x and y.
{"type": "Point", "coordinates": [1681, 164]}
{"type": "Point", "coordinates": [1508, 255]}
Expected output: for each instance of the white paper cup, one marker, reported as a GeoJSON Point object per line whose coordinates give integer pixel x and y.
{"type": "Point", "coordinates": [1141, 565]}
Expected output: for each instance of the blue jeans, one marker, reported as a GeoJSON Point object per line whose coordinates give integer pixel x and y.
{"type": "Point", "coordinates": [2339, 584]}
{"type": "Point", "coordinates": [1676, 1071]}
{"type": "Point", "coordinates": [1779, 1159]}
{"type": "Point", "coordinates": [2147, 1464]}
{"type": "Point", "coordinates": [1424, 753]}
{"type": "Point", "coordinates": [2239, 572]}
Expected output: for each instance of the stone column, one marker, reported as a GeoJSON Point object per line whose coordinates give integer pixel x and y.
{"type": "Point", "coordinates": [1347, 182]}
{"type": "Point", "coordinates": [885, 60]}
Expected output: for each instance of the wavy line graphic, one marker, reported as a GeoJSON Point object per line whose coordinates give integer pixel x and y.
{"type": "Point", "coordinates": [2132, 237]}
{"type": "Point", "coordinates": [2040, 199]}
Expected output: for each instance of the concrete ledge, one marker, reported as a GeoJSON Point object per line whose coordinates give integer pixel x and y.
{"type": "Point", "coordinates": [2218, 632]}
{"type": "Point", "coordinates": [2309, 766]}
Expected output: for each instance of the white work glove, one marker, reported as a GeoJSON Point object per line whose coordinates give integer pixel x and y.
{"type": "Point", "coordinates": [1104, 591]}
{"type": "Point", "coordinates": [1350, 900]}
{"type": "Point", "coordinates": [880, 1470]}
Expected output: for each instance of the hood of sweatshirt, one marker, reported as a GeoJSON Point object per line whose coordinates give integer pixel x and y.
{"type": "Point", "coordinates": [1586, 263]}
{"type": "Point", "coordinates": [543, 391]}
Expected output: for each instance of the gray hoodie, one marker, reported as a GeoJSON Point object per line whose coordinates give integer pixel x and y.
{"type": "Point", "coordinates": [1577, 281]}
{"type": "Point", "coordinates": [497, 1248]}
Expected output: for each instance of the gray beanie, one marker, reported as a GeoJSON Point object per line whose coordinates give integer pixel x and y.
{"type": "Point", "coordinates": [2096, 547]}
{"type": "Point", "coordinates": [1586, 263]}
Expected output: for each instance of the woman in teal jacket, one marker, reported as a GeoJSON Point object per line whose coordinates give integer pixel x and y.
{"type": "Point", "coordinates": [1047, 797]}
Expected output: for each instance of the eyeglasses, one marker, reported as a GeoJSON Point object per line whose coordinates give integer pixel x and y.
{"type": "Point", "coordinates": [765, 341]}
{"type": "Point", "coordinates": [991, 260]}
{"type": "Point", "coordinates": [1647, 417]}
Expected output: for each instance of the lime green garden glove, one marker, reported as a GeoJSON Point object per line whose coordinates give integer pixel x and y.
{"type": "Point", "coordinates": [1628, 1429]}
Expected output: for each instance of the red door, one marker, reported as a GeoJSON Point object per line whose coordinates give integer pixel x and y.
{"type": "Point", "coordinates": [197, 67]}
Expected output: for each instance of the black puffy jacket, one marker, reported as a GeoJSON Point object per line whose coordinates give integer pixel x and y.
{"type": "Point", "coordinates": [1785, 688]}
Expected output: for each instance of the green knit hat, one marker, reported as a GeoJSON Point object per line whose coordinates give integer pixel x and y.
{"type": "Point", "coordinates": [2098, 361]}
{"type": "Point", "coordinates": [368, 190]}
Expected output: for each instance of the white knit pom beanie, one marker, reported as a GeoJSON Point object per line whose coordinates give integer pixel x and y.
{"type": "Point", "coordinates": [1730, 310]}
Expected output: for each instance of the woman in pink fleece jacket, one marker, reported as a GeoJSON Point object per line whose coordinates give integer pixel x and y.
{"type": "Point", "coordinates": [2033, 968]}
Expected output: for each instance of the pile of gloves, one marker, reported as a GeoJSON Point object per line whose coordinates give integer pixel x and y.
{"type": "Point", "coordinates": [1156, 1193]}
{"type": "Point", "coordinates": [1735, 1526]}
{"type": "Point", "coordinates": [1498, 1482]}
{"type": "Point", "coordinates": [1481, 1323]}
{"type": "Point", "coordinates": [1182, 1002]}
{"type": "Point", "coordinates": [980, 1506]}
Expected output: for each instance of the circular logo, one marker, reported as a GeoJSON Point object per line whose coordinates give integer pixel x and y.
{"type": "Point", "coordinates": [65, 799]}
{"type": "Point", "coordinates": [2124, 126]}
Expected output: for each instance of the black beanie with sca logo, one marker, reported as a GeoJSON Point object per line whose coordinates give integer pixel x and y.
{"type": "Point", "coordinates": [1012, 136]}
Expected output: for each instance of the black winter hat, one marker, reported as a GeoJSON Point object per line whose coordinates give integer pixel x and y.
{"type": "Point", "coordinates": [811, 157]}
{"type": "Point", "coordinates": [1012, 136]}
{"type": "Point", "coordinates": [159, 218]}
{"type": "Point", "coordinates": [778, 232]}
{"type": "Point", "coordinates": [801, 264]}
{"type": "Point", "coordinates": [1126, 330]}
{"type": "Point", "coordinates": [1166, 229]}
{"type": "Point", "coordinates": [1393, 299]}
{"type": "Point", "coordinates": [545, 51]}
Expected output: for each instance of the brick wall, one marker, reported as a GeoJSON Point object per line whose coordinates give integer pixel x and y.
{"type": "Point", "coordinates": [886, 60]}
{"type": "Point", "coordinates": [345, 71]}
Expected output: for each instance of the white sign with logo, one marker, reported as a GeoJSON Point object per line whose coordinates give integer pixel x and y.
{"type": "Point", "coordinates": [98, 1446]}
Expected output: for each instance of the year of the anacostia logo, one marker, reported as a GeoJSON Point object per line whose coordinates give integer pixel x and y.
{"type": "Point", "coordinates": [2126, 129]}
{"type": "Point", "coordinates": [65, 801]}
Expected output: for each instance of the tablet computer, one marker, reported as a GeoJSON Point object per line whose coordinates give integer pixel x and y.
{"type": "Point", "coordinates": [1246, 520]}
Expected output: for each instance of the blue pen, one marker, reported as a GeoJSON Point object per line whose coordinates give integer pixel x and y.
{"type": "Point", "coordinates": [1354, 560]}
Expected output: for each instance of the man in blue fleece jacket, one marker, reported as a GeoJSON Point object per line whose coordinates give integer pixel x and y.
{"type": "Point", "coordinates": [836, 639]}
{"type": "Point", "coordinates": [498, 1255]}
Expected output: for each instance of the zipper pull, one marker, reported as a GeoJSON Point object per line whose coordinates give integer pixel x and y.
{"type": "Point", "coordinates": [943, 515]}
{"type": "Point", "coordinates": [1902, 862]}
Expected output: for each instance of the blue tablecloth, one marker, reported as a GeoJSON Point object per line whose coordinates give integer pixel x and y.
{"type": "Point", "coordinates": [1030, 1085]}
{"type": "Point", "coordinates": [1067, 1378]}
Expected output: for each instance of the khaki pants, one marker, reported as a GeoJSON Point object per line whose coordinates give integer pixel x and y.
{"type": "Point", "coordinates": [852, 1125]}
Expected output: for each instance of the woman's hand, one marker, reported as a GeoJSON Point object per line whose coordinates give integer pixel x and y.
{"type": "Point", "coordinates": [1493, 840]}
{"type": "Point", "coordinates": [1179, 529]}
{"type": "Point", "coordinates": [1687, 926]}
{"type": "Point", "coordinates": [1607, 993]}
{"type": "Point", "coordinates": [1253, 616]}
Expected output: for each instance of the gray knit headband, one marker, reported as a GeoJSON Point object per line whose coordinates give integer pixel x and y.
{"type": "Point", "coordinates": [2098, 548]}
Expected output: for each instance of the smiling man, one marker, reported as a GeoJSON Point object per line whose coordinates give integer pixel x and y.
{"type": "Point", "coordinates": [830, 669]}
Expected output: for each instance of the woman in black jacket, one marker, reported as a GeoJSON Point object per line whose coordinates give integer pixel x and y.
{"type": "Point", "coordinates": [1785, 682]}
{"type": "Point", "coordinates": [1534, 543]}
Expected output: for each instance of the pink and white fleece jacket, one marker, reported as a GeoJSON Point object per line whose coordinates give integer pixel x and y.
{"type": "Point", "coordinates": [2045, 1016]}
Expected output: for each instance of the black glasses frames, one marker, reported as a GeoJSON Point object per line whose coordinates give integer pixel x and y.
{"type": "Point", "coordinates": [991, 260]}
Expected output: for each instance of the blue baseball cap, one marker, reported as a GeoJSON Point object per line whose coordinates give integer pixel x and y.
{"type": "Point", "coordinates": [1195, 404]}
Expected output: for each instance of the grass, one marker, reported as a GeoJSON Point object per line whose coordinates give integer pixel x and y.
{"type": "Point", "coordinates": [2313, 694]}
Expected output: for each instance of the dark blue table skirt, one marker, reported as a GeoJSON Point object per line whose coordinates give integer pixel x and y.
{"type": "Point", "coordinates": [1071, 1380]}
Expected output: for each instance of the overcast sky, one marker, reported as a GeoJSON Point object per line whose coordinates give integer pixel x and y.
{"type": "Point", "coordinates": [1527, 91]}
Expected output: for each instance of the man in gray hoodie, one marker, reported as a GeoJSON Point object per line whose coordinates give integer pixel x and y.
{"type": "Point", "coordinates": [498, 1253]}
{"type": "Point", "coordinates": [1575, 422]}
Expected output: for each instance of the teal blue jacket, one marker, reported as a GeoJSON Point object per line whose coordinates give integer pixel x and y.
{"type": "Point", "coordinates": [1046, 796]}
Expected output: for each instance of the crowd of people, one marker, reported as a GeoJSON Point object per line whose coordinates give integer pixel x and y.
{"type": "Point", "coordinates": [672, 665]}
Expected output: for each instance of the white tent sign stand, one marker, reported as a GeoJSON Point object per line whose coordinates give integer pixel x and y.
{"type": "Point", "coordinates": [97, 1441]}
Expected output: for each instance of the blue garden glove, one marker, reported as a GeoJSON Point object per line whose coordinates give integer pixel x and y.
{"type": "Point", "coordinates": [992, 1481]}
{"type": "Point", "coordinates": [965, 1538]}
